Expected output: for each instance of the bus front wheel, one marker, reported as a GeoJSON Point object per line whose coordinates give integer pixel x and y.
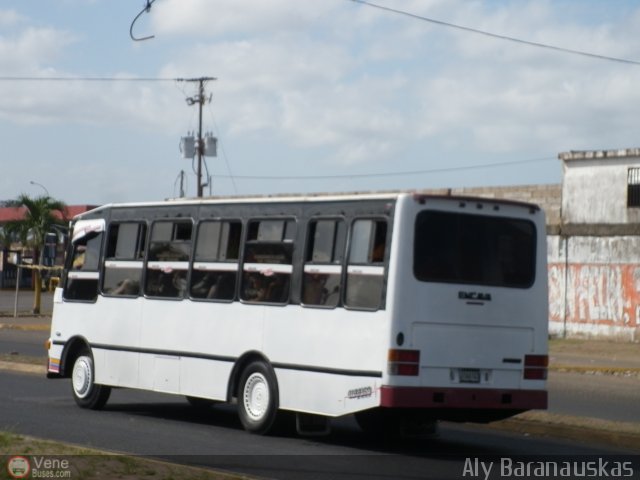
{"type": "Point", "coordinates": [86, 392]}
{"type": "Point", "coordinates": [258, 398]}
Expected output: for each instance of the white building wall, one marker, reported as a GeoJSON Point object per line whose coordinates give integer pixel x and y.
{"type": "Point", "coordinates": [594, 254]}
{"type": "Point", "coordinates": [594, 188]}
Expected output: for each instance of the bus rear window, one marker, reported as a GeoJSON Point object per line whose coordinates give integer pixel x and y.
{"type": "Point", "coordinates": [474, 249]}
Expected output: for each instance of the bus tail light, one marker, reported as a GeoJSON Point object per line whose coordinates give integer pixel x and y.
{"type": "Point", "coordinates": [535, 367]}
{"type": "Point", "coordinates": [404, 362]}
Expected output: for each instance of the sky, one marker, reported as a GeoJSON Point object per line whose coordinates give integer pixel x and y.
{"type": "Point", "coordinates": [308, 96]}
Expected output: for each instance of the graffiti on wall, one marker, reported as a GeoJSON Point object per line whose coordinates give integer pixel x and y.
{"type": "Point", "coordinates": [605, 294]}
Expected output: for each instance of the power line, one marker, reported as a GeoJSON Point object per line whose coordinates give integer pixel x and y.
{"type": "Point", "coordinates": [386, 174]}
{"type": "Point", "coordinates": [495, 35]}
{"type": "Point", "coordinates": [87, 79]}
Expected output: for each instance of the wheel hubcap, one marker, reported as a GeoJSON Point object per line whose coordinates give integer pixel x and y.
{"type": "Point", "coordinates": [81, 377]}
{"type": "Point", "coordinates": [256, 396]}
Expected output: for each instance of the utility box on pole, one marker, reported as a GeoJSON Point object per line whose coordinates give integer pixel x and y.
{"type": "Point", "coordinates": [210, 146]}
{"type": "Point", "coordinates": [188, 147]}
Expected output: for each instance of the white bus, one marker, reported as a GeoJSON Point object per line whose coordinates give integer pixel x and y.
{"type": "Point", "coordinates": [401, 308]}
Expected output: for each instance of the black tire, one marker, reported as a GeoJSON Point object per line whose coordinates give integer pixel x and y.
{"type": "Point", "coordinates": [258, 398]}
{"type": "Point", "coordinates": [86, 392]}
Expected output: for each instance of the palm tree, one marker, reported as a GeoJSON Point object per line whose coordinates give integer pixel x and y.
{"type": "Point", "coordinates": [39, 219]}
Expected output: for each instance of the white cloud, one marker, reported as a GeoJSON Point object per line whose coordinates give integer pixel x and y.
{"type": "Point", "coordinates": [32, 49]}
{"type": "Point", "coordinates": [503, 97]}
{"type": "Point", "coordinates": [377, 81]}
{"type": "Point", "coordinates": [232, 17]}
{"type": "Point", "coordinates": [9, 18]}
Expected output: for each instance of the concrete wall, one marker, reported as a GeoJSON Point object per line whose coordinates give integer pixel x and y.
{"type": "Point", "coordinates": [594, 287]}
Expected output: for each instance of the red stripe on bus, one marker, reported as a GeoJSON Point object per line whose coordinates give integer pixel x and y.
{"type": "Point", "coordinates": [429, 397]}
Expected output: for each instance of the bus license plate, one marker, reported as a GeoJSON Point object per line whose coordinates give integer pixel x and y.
{"type": "Point", "coordinates": [469, 375]}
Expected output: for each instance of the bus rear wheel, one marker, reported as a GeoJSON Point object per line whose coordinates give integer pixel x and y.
{"type": "Point", "coordinates": [258, 398]}
{"type": "Point", "coordinates": [86, 392]}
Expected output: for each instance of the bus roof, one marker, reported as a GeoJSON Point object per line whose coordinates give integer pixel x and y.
{"type": "Point", "coordinates": [419, 196]}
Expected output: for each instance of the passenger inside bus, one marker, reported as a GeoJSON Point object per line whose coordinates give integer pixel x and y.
{"type": "Point", "coordinates": [213, 285]}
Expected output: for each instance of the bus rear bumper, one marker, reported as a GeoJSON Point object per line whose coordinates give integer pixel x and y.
{"type": "Point", "coordinates": [463, 398]}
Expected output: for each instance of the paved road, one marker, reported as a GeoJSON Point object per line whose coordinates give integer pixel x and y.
{"type": "Point", "coordinates": [20, 342]}
{"type": "Point", "coordinates": [152, 424]}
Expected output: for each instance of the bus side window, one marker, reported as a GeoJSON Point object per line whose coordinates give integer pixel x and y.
{"type": "Point", "coordinates": [123, 259]}
{"type": "Point", "coordinates": [267, 267]}
{"type": "Point", "coordinates": [365, 269]}
{"type": "Point", "coordinates": [168, 259]}
{"type": "Point", "coordinates": [323, 262]}
{"type": "Point", "coordinates": [215, 265]}
{"type": "Point", "coordinates": [82, 274]}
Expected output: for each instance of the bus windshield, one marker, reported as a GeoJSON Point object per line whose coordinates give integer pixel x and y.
{"type": "Point", "coordinates": [474, 249]}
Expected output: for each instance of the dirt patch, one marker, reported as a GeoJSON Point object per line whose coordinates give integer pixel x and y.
{"type": "Point", "coordinates": [595, 349]}
{"type": "Point", "coordinates": [21, 366]}
{"type": "Point", "coordinates": [624, 435]}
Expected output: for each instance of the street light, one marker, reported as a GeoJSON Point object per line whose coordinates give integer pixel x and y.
{"type": "Point", "coordinates": [41, 186]}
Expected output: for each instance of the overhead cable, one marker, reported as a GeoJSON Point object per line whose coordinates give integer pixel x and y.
{"type": "Point", "coordinates": [146, 9]}
{"type": "Point", "coordinates": [495, 35]}
{"type": "Point", "coordinates": [86, 79]}
{"type": "Point", "coordinates": [385, 174]}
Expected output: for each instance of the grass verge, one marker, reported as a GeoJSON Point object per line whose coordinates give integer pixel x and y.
{"type": "Point", "coordinates": [92, 464]}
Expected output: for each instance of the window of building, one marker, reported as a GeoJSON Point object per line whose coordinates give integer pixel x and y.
{"type": "Point", "coordinates": [633, 187]}
{"type": "Point", "coordinates": [267, 267]}
{"type": "Point", "coordinates": [124, 256]}
{"type": "Point", "coordinates": [168, 262]}
{"type": "Point", "coordinates": [365, 269]}
{"type": "Point", "coordinates": [323, 262]}
{"type": "Point", "coordinates": [215, 266]}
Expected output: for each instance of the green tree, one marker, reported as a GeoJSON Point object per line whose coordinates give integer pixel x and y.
{"type": "Point", "coordinates": [39, 219]}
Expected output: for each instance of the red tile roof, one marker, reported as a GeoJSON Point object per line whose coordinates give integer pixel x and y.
{"type": "Point", "coordinates": [8, 214]}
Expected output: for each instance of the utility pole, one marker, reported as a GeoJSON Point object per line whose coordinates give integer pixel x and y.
{"type": "Point", "coordinates": [181, 183]}
{"type": "Point", "coordinates": [200, 99]}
